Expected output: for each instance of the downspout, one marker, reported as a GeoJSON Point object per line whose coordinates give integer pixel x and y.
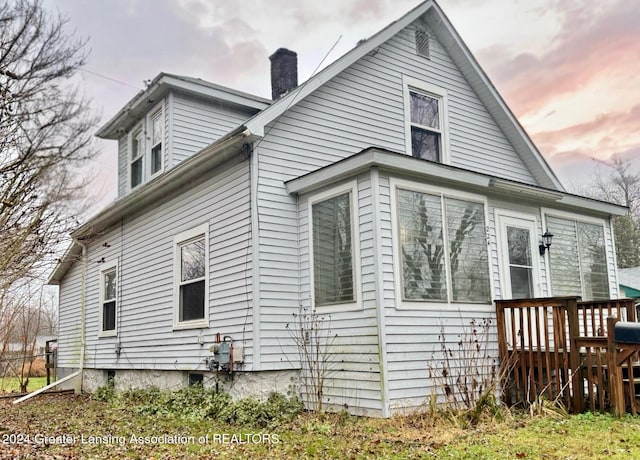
{"type": "Point", "coordinates": [83, 309]}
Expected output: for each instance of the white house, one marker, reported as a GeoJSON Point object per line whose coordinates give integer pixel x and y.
{"type": "Point", "coordinates": [393, 190]}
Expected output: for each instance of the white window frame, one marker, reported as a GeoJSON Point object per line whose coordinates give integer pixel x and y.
{"type": "Point", "coordinates": [604, 223]}
{"type": "Point", "coordinates": [145, 128]}
{"type": "Point", "coordinates": [178, 241]}
{"type": "Point", "coordinates": [356, 304]}
{"type": "Point", "coordinates": [435, 305]}
{"type": "Point", "coordinates": [411, 84]}
{"type": "Point", "coordinates": [157, 110]}
{"type": "Point", "coordinates": [107, 267]}
{"type": "Point", "coordinates": [137, 130]}
{"type": "Point", "coordinates": [502, 218]}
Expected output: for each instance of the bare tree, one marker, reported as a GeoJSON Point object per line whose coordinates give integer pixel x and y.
{"type": "Point", "coordinates": [622, 186]}
{"type": "Point", "coordinates": [44, 136]}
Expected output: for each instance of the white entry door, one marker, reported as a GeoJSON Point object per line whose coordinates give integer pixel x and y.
{"type": "Point", "coordinates": [519, 257]}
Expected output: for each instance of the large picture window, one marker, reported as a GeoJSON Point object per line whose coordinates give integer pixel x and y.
{"type": "Point", "coordinates": [191, 271]}
{"type": "Point", "coordinates": [443, 248]}
{"type": "Point", "coordinates": [578, 259]}
{"type": "Point", "coordinates": [108, 299]}
{"type": "Point", "coordinates": [334, 275]}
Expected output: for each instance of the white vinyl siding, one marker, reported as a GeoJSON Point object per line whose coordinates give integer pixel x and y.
{"type": "Point", "coordinates": [198, 122]}
{"type": "Point", "coordinates": [144, 246]}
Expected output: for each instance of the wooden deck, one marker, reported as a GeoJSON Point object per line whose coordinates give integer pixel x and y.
{"type": "Point", "coordinates": [559, 349]}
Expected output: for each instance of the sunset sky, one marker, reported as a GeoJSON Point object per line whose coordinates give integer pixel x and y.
{"type": "Point", "coordinates": [569, 69]}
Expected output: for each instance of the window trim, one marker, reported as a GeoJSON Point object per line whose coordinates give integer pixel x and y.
{"type": "Point", "coordinates": [107, 267]}
{"type": "Point", "coordinates": [178, 240]}
{"type": "Point", "coordinates": [145, 127]}
{"type": "Point", "coordinates": [412, 84]}
{"type": "Point", "coordinates": [356, 304]}
{"type": "Point", "coordinates": [138, 129]}
{"type": "Point", "coordinates": [435, 305]}
{"type": "Point", "coordinates": [606, 231]}
{"type": "Point", "coordinates": [158, 109]}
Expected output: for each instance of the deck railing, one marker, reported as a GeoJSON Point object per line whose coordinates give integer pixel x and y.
{"type": "Point", "coordinates": [556, 348]}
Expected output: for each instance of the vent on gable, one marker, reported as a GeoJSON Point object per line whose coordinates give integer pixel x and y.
{"type": "Point", "coordinates": [422, 44]}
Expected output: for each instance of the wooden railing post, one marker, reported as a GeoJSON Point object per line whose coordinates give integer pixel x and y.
{"type": "Point", "coordinates": [616, 390]}
{"type": "Point", "coordinates": [577, 382]}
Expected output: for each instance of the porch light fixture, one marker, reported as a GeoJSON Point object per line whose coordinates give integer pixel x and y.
{"type": "Point", "coordinates": [546, 242]}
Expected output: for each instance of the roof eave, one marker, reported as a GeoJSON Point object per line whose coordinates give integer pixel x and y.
{"type": "Point", "coordinates": [445, 174]}
{"type": "Point", "coordinates": [160, 86]}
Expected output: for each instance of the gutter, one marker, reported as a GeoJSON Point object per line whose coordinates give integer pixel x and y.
{"type": "Point", "coordinates": [83, 314]}
{"type": "Point", "coordinates": [186, 172]}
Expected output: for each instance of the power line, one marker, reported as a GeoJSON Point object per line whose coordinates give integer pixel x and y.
{"type": "Point", "coordinates": [110, 78]}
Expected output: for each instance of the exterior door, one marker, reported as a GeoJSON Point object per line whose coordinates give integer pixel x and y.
{"type": "Point", "coordinates": [518, 252]}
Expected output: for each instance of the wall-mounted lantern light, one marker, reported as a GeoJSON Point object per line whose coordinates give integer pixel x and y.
{"type": "Point", "coordinates": [546, 242]}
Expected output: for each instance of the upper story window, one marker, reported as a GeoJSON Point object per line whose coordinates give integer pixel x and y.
{"type": "Point", "coordinates": [334, 254]}
{"type": "Point", "coordinates": [442, 244]}
{"type": "Point", "coordinates": [191, 270]}
{"type": "Point", "coordinates": [426, 120]}
{"type": "Point", "coordinates": [137, 158]}
{"type": "Point", "coordinates": [108, 299]}
{"type": "Point", "coordinates": [156, 142]}
{"type": "Point", "coordinates": [577, 259]}
{"type": "Point", "coordinates": [146, 157]}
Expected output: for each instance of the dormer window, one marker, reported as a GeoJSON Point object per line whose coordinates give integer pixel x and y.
{"type": "Point", "coordinates": [156, 142]}
{"type": "Point", "coordinates": [137, 158]}
{"type": "Point", "coordinates": [146, 158]}
{"type": "Point", "coordinates": [426, 120]}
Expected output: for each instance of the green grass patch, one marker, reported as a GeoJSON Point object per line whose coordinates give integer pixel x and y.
{"type": "Point", "coordinates": [153, 423]}
{"type": "Point", "coordinates": [12, 384]}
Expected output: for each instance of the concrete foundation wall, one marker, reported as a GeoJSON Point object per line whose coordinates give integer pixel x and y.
{"type": "Point", "coordinates": [238, 385]}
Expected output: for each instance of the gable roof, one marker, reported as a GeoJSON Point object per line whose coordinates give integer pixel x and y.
{"type": "Point", "coordinates": [160, 86]}
{"type": "Point", "coordinates": [431, 14]}
{"type": "Point", "coordinates": [268, 111]}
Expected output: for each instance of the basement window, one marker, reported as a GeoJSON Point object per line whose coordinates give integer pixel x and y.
{"type": "Point", "coordinates": [196, 379]}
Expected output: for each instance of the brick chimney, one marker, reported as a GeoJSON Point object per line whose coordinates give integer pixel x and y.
{"type": "Point", "coordinates": [284, 72]}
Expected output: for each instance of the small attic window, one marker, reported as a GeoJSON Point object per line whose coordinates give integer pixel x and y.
{"type": "Point", "coordinates": [422, 44]}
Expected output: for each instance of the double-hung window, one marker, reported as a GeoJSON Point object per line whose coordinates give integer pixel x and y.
{"type": "Point", "coordinates": [137, 158]}
{"type": "Point", "coordinates": [577, 258]}
{"type": "Point", "coordinates": [334, 254]}
{"type": "Point", "coordinates": [156, 142]}
{"type": "Point", "coordinates": [191, 270]}
{"type": "Point", "coordinates": [146, 157]}
{"type": "Point", "coordinates": [108, 299]}
{"type": "Point", "coordinates": [442, 248]}
{"type": "Point", "coordinates": [425, 113]}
